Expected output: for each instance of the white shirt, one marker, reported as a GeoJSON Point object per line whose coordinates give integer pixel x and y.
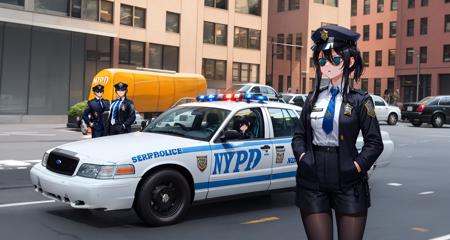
{"type": "Point", "coordinates": [320, 138]}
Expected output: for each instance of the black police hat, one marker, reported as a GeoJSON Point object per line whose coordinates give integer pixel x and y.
{"type": "Point", "coordinates": [98, 88]}
{"type": "Point", "coordinates": [328, 37]}
{"type": "Point", "coordinates": [121, 86]}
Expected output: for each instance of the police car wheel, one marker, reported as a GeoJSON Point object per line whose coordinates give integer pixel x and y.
{"type": "Point", "coordinates": [163, 198]}
{"type": "Point", "coordinates": [392, 119]}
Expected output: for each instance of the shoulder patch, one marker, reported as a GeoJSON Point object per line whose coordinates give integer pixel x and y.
{"type": "Point", "coordinates": [370, 108]}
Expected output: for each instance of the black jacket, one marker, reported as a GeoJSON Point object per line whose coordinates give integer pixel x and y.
{"type": "Point", "coordinates": [94, 112]}
{"type": "Point", "coordinates": [362, 118]}
{"type": "Point", "coordinates": [127, 114]}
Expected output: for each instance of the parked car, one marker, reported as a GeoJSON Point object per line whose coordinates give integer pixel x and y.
{"type": "Point", "coordinates": [257, 89]}
{"type": "Point", "coordinates": [385, 112]}
{"type": "Point", "coordinates": [295, 98]}
{"type": "Point", "coordinates": [432, 109]}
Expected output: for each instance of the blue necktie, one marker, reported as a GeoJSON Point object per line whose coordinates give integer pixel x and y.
{"type": "Point", "coordinates": [116, 110]}
{"type": "Point", "coordinates": [327, 124]}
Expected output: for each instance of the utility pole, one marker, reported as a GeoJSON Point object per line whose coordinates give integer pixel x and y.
{"type": "Point", "coordinates": [418, 77]}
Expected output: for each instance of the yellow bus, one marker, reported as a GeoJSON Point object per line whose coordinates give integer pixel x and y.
{"type": "Point", "coordinates": [152, 91]}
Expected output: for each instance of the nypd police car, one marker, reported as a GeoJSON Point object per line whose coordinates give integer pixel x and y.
{"type": "Point", "coordinates": [193, 152]}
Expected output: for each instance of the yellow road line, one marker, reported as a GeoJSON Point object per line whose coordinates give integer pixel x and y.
{"type": "Point", "coordinates": [261, 220]}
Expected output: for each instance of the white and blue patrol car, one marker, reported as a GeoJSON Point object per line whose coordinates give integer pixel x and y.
{"type": "Point", "coordinates": [193, 152]}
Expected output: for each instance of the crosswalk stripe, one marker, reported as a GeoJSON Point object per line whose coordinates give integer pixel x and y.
{"type": "Point", "coordinates": [25, 203]}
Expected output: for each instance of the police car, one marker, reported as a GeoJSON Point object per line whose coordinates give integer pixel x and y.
{"type": "Point", "coordinates": [193, 152]}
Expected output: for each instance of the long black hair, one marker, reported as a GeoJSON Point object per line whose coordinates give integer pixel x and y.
{"type": "Point", "coordinates": [346, 52]}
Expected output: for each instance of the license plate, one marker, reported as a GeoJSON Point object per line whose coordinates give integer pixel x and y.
{"type": "Point", "coordinates": [409, 108]}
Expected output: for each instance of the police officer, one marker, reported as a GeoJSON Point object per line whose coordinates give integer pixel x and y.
{"type": "Point", "coordinates": [93, 115]}
{"type": "Point", "coordinates": [331, 174]}
{"type": "Point", "coordinates": [122, 114]}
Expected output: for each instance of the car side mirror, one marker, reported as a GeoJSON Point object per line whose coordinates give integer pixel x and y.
{"type": "Point", "coordinates": [279, 95]}
{"type": "Point", "coordinates": [144, 124]}
{"type": "Point", "coordinates": [230, 135]}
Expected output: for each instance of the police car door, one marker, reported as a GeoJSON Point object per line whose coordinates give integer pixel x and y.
{"type": "Point", "coordinates": [284, 166]}
{"type": "Point", "coordinates": [242, 165]}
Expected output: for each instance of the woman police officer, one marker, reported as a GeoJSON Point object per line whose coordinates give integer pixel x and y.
{"type": "Point", "coordinates": [331, 174]}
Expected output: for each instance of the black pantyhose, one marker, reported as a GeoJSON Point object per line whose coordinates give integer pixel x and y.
{"type": "Point", "coordinates": [319, 226]}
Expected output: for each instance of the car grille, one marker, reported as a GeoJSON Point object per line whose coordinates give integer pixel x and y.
{"type": "Point", "coordinates": [62, 162]}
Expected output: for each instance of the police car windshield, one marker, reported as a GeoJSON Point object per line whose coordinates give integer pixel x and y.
{"type": "Point", "coordinates": [190, 122]}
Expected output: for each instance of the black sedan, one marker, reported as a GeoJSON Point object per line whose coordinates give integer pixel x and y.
{"type": "Point", "coordinates": [433, 109]}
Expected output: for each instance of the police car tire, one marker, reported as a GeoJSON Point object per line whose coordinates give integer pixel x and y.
{"type": "Point", "coordinates": [142, 205]}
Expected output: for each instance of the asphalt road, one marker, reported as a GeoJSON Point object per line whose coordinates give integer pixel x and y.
{"type": "Point", "coordinates": [410, 197]}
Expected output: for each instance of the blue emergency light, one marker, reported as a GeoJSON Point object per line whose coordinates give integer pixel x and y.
{"type": "Point", "coordinates": [248, 97]}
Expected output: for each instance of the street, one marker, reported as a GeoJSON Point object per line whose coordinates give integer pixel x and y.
{"type": "Point", "coordinates": [409, 197]}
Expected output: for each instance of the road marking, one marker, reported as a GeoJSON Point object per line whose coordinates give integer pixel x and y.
{"type": "Point", "coordinates": [27, 134]}
{"type": "Point", "coordinates": [25, 203]}
{"type": "Point", "coordinates": [420, 229]}
{"type": "Point", "coordinates": [261, 220]}
{"type": "Point", "coordinates": [426, 193]}
{"type": "Point", "coordinates": [403, 144]}
{"type": "Point", "coordinates": [446, 237]}
{"type": "Point", "coordinates": [394, 184]}
{"type": "Point", "coordinates": [17, 164]}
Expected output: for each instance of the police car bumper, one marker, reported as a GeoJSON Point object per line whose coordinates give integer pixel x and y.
{"type": "Point", "coordinates": [84, 193]}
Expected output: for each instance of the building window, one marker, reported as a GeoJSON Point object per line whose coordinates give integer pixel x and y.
{"type": "Point", "coordinates": [447, 23]}
{"type": "Point", "coordinates": [247, 38]}
{"type": "Point", "coordinates": [223, 4]}
{"type": "Point", "coordinates": [409, 55]}
{"type": "Point", "coordinates": [53, 7]}
{"type": "Point", "coordinates": [248, 7]}
{"type": "Point", "coordinates": [13, 2]}
{"type": "Point", "coordinates": [365, 84]}
{"type": "Point", "coordinates": [446, 53]}
{"type": "Point", "coordinates": [411, 3]}
{"type": "Point", "coordinates": [132, 16]}
{"type": "Point", "coordinates": [394, 5]}
{"type": "Point", "coordinates": [379, 30]}
{"type": "Point", "coordinates": [172, 22]}
{"type": "Point", "coordinates": [353, 28]}
{"type": "Point", "coordinates": [289, 40]}
{"type": "Point", "coordinates": [280, 83]}
{"type": "Point", "coordinates": [280, 48]}
{"type": "Point", "coordinates": [410, 28]}
{"type": "Point", "coordinates": [298, 42]}
{"type": "Point", "coordinates": [294, 5]}
{"type": "Point", "coordinates": [280, 5]}
{"type": "Point", "coordinates": [365, 58]}
{"type": "Point", "coordinates": [380, 6]}
{"type": "Point", "coordinates": [366, 32]}
{"type": "Point", "coordinates": [354, 7]}
{"type": "Point", "coordinates": [391, 60]}
{"type": "Point", "coordinates": [378, 58]}
{"type": "Point", "coordinates": [107, 11]}
{"type": "Point", "coordinates": [393, 29]}
{"type": "Point", "coordinates": [245, 72]}
{"type": "Point", "coordinates": [390, 83]}
{"type": "Point", "coordinates": [215, 33]}
{"type": "Point", "coordinates": [366, 7]}
{"type": "Point", "coordinates": [289, 83]}
{"type": "Point", "coordinates": [423, 54]}
{"type": "Point", "coordinates": [131, 52]}
{"type": "Point", "coordinates": [214, 69]}
{"type": "Point", "coordinates": [377, 87]}
{"type": "Point", "coordinates": [424, 3]}
{"type": "Point", "coordinates": [164, 57]}
{"type": "Point", "coordinates": [333, 3]}
{"type": "Point", "coordinates": [423, 26]}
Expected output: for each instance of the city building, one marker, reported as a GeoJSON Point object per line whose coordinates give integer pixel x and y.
{"type": "Point", "coordinates": [376, 21]}
{"type": "Point", "coordinates": [289, 66]}
{"type": "Point", "coordinates": [50, 50]}
{"type": "Point", "coordinates": [423, 47]}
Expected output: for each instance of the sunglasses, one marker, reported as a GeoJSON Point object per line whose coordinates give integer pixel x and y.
{"type": "Point", "coordinates": [336, 61]}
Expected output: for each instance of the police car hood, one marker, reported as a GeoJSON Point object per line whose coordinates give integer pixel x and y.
{"type": "Point", "coordinates": [122, 148]}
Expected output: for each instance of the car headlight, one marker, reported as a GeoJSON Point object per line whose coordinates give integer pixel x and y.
{"type": "Point", "coordinates": [44, 159]}
{"type": "Point", "coordinates": [104, 171]}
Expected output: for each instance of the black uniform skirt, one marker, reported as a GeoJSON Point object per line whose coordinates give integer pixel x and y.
{"type": "Point", "coordinates": [329, 194]}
